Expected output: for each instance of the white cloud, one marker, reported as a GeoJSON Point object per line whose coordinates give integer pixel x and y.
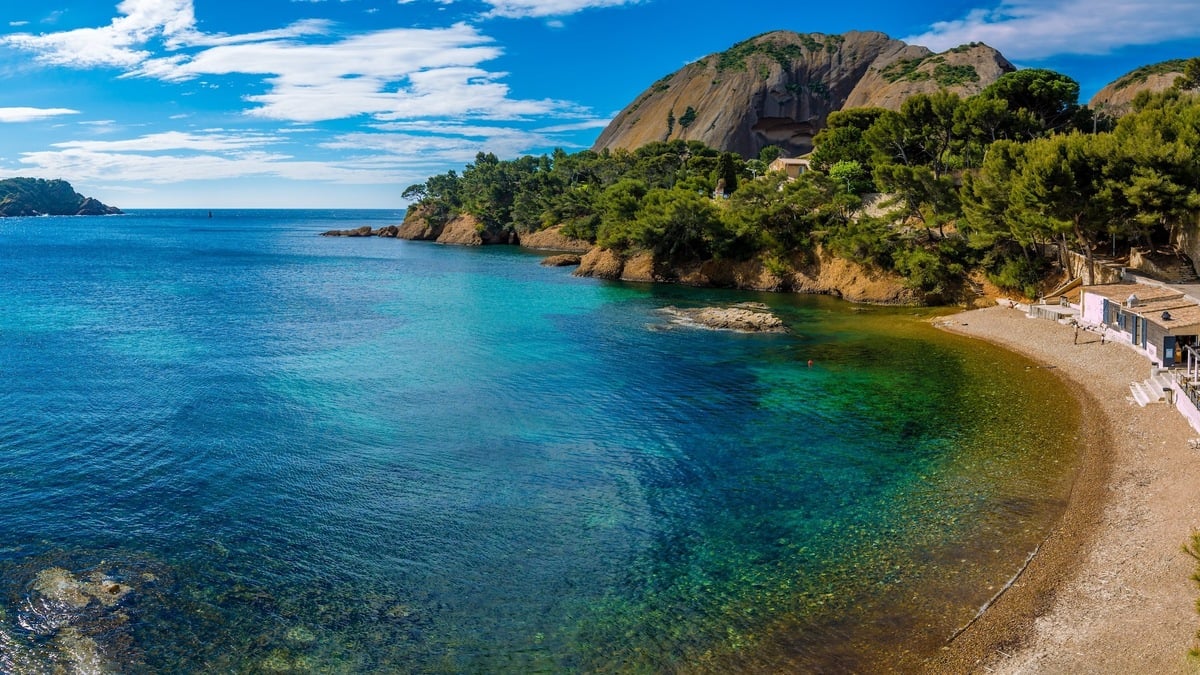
{"type": "Point", "coordinates": [407, 84]}
{"type": "Point", "coordinates": [308, 27]}
{"type": "Point", "coordinates": [32, 114]}
{"type": "Point", "coordinates": [403, 152]}
{"type": "Point", "coordinates": [585, 125]}
{"type": "Point", "coordinates": [441, 143]}
{"type": "Point", "coordinates": [174, 157]}
{"type": "Point", "coordinates": [516, 9]}
{"type": "Point", "coordinates": [390, 74]}
{"type": "Point", "coordinates": [1035, 29]}
{"type": "Point", "coordinates": [210, 141]}
{"type": "Point", "coordinates": [121, 43]}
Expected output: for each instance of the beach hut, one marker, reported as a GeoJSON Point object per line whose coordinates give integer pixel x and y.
{"type": "Point", "coordinates": [1156, 320]}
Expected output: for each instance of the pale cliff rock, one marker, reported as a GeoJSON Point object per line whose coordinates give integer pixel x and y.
{"type": "Point", "coordinates": [1116, 99]}
{"type": "Point", "coordinates": [846, 279]}
{"type": "Point", "coordinates": [819, 273]}
{"type": "Point", "coordinates": [552, 239]}
{"type": "Point", "coordinates": [419, 226]}
{"type": "Point", "coordinates": [779, 88]}
{"type": "Point", "coordinates": [928, 75]}
{"type": "Point", "coordinates": [641, 267]}
{"type": "Point", "coordinates": [601, 263]}
{"type": "Point", "coordinates": [463, 230]}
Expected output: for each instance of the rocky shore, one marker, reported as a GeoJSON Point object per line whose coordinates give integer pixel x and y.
{"type": "Point", "coordinates": [819, 273]}
{"type": "Point", "coordinates": [824, 274]}
{"type": "Point", "coordinates": [465, 230]}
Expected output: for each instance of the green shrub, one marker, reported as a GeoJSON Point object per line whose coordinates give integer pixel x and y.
{"type": "Point", "coordinates": [901, 70]}
{"type": "Point", "coordinates": [1015, 272]}
{"type": "Point", "coordinates": [948, 75]}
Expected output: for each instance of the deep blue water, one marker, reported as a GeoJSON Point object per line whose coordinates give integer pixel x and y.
{"type": "Point", "coordinates": [287, 453]}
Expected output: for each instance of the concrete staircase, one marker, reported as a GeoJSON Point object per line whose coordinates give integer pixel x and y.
{"type": "Point", "coordinates": [1166, 265]}
{"type": "Point", "coordinates": [1151, 390]}
{"type": "Point", "coordinates": [1181, 271]}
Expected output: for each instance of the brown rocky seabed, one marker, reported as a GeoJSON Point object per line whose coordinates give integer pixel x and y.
{"type": "Point", "coordinates": [1110, 589]}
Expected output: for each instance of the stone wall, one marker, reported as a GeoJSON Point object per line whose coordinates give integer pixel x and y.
{"type": "Point", "coordinates": [1097, 272]}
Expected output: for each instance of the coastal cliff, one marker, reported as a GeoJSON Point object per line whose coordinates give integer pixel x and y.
{"type": "Point", "coordinates": [823, 274]}
{"type": "Point", "coordinates": [39, 197]}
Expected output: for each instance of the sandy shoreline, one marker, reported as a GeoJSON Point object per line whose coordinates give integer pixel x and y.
{"type": "Point", "coordinates": [1110, 589]}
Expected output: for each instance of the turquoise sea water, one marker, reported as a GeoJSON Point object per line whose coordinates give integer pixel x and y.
{"type": "Point", "coordinates": [230, 445]}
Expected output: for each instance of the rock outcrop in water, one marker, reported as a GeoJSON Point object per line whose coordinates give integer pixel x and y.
{"type": "Point", "coordinates": [742, 318]}
{"type": "Point", "coordinates": [38, 197]}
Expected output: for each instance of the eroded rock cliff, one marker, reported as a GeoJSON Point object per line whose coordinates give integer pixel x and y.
{"type": "Point", "coordinates": [778, 89]}
{"type": "Point", "coordinates": [1116, 99]}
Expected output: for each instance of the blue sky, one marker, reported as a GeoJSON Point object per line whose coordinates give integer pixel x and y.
{"type": "Point", "coordinates": [343, 103]}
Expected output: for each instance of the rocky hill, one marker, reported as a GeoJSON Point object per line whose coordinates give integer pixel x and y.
{"type": "Point", "coordinates": [1115, 99]}
{"type": "Point", "coordinates": [38, 197]}
{"type": "Point", "coordinates": [778, 89]}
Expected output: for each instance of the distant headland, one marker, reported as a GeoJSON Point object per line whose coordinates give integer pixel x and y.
{"type": "Point", "coordinates": [40, 197]}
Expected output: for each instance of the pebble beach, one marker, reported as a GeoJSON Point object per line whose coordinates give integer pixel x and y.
{"type": "Point", "coordinates": [1110, 588]}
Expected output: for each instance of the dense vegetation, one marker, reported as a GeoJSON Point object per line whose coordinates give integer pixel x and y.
{"type": "Point", "coordinates": [978, 184]}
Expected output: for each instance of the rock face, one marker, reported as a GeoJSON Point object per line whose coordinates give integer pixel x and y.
{"type": "Point", "coordinates": [38, 197]}
{"type": "Point", "coordinates": [778, 89]}
{"type": "Point", "coordinates": [465, 230]}
{"type": "Point", "coordinates": [552, 239]}
{"type": "Point", "coordinates": [419, 226]}
{"type": "Point", "coordinates": [1117, 97]}
{"type": "Point", "coordinates": [821, 274]}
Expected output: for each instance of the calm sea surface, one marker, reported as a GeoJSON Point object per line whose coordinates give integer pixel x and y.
{"type": "Point", "coordinates": [230, 445]}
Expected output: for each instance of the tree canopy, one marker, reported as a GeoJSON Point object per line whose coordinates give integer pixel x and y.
{"type": "Point", "coordinates": [982, 183]}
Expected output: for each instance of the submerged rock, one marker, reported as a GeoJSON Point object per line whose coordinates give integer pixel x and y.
{"type": "Point", "coordinates": [58, 585]}
{"type": "Point", "coordinates": [76, 610]}
{"type": "Point", "coordinates": [300, 635]}
{"type": "Point", "coordinates": [82, 652]}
